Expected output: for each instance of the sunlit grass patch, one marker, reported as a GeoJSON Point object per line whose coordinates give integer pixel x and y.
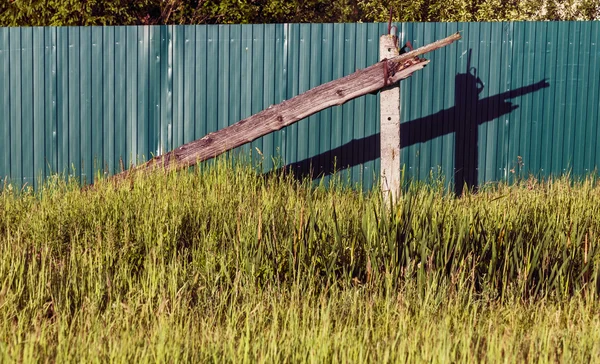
{"type": "Point", "coordinates": [225, 264]}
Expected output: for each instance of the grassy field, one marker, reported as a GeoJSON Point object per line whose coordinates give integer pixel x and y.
{"type": "Point", "coordinates": [226, 265]}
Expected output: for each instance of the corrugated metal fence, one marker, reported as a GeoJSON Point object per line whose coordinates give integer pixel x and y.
{"type": "Point", "coordinates": [80, 98]}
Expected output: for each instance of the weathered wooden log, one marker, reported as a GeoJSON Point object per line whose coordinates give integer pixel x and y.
{"type": "Point", "coordinates": [276, 117]}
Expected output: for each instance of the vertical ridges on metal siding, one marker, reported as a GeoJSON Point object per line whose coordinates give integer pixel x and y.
{"type": "Point", "coordinates": [27, 121]}
{"type": "Point", "coordinates": [459, 112]}
{"type": "Point", "coordinates": [492, 125]}
{"type": "Point", "coordinates": [531, 118]}
{"type": "Point", "coordinates": [97, 101]}
{"type": "Point", "coordinates": [516, 128]}
{"type": "Point", "coordinates": [593, 99]}
{"type": "Point", "coordinates": [246, 79]}
{"type": "Point", "coordinates": [409, 102]}
{"type": "Point", "coordinates": [166, 80]}
{"type": "Point", "coordinates": [581, 46]}
{"type": "Point", "coordinates": [426, 92]}
{"type": "Point", "coordinates": [187, 74]}
{"type": "Point", "coordinates": [121, 133]}
{"type": "Point", "coordinates": [222, 84]}
{"type": "Point", "coordinates": [337, 72]}
{"type": "Point", "coordinates": [358, 129]}
{"type": "Point", "coordinates": [154, 91]}
{"type": "Point", "coordinates": [108, 99]}
{"type": "Point", "coordinates": [257, 84]}
{"type": "Point", "coordinates": [538, 39]}
{"type": "Point", "coordinates": [315, 79]}
{"type": "Point", "coordinates": [85, 118]}
{"type": "Point", "coordinates": [213, 92]}
{"type": "Point", "coordinates": [325, 117]}
{"type": "Point", "coordinates": [505, 86]}
{"type": "Point", "coordinates": [293, 54]}
{"type": "Point", "coordinates": [50, 82]}
{"type": "Point", "coordinates": [62, 99]}
{"type": "Point", "coordinates": [441, 80]}
{"type": "Point", "coordinates": [449, 106]}
{"type": "Point", "coordinates": [271, 39]}
{"type": "Point", "coordinates": [235, 70]}
{"type": "Point", "coordinates": [381, 28]}
{"type": "Point", "coordinates": [5, 120]}
{"type": "Point", "coordinates": [131, 95]}
{"type": "Point", "coordinates": [404, 35]}
{"type": "Point", "coordinates": [279, 86]}
{"type": "Point", "coordinates": [435, 95]}
{"type": "Point", "coordinates": [234, 86]}
{"type": "Point", "coordinates": [570, 94]}
{"type": "Point", "coordinates": [246, 69]}
{"type": "Point", "coordinates": [370, 137]}
{"type": "Point", "coordinates": [179, 42]}
{"type": "Point", "coordinates": [583, 127]}
{"type": "Point", "coordinates": [509, 86]}
{"type": "Point", "coordinates": [74, 102]}
{"type": "Point", "coordinates": [15, 106]}
{"type": "Point", "coordinates": [349, 35]}
{"type": "Point", "coordinates": [421, 97]}
{"type": "Point", "coordinates": [200, 85]}
{"type": "Point", "coordinates": [246, 54]}
{"type": "Point", "coordinates": [418, 92]}
{"type": "Point", "coordinates": [470, 124]}
{"type": "Point", "coordinates": [303, 70]}
{"type": "Point", "coordinates": [38, 105]}
{"type": "Point", "coordinates": [526, 52]}
{"type": "Point", "coordinates": [143, 102]}
{"type": "Point", "coordinates": [449, 73]}
{"type": "Point", "coordinates": [245, 82]}
{"type": "Point", "coordinates": [548, 143]}
{"type": "Point", "coordinates": [571, 70]}
{"type": "Point", "coordinates": [283, 89]}
{"type": "Point", "coordinates": [558, 147]}
{"type": "Point", "coordinates": [483, 72]}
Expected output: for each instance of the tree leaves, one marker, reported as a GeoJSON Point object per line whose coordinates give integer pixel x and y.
{"type": "Point", "coordinates": [143, 12]}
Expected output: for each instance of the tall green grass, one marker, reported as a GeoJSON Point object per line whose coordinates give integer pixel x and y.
{"type": "Point", "coordinates": [224, 264]}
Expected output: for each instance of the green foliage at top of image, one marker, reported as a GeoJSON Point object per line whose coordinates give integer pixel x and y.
{"type": "Point", "coordinates": [127, 12]}
{"type": "Point", "coordinates": [225, 264]}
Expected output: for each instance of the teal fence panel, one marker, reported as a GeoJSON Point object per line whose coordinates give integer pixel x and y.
{"type": "Point", "coordinates": [507, 100]}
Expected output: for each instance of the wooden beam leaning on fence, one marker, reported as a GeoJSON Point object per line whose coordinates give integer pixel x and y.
{"type": "Point", "coordinates": [275, 117]}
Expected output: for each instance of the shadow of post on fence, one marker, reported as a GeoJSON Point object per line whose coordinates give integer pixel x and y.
{"type": "Point", "coordinates": [461, 119]}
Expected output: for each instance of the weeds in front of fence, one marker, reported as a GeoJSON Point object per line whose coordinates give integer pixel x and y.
{"type": "Point", "coordinates": [224, 264]}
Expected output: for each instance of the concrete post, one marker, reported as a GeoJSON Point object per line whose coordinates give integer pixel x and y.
{"type": "Point", "coordinates": [390, 127]}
